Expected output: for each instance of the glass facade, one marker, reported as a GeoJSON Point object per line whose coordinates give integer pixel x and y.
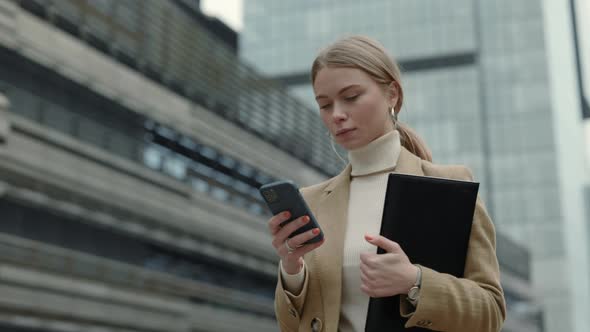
{"type": "Point", "coordinates": [283, 37]}
{"type": "Point", "coordinates": [476, 89]}
{"type": "Point", "coordinates": [44, 97]}
{"type": "Point", "coordinates": [522, 307]}
{"type": "Point", "coordinates": [168, 44]}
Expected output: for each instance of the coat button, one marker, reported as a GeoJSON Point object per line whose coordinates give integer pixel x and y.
{"type": "Point", "coordinates": [316, 325]}
{"type": "Point", "coordinates": [292, 312]}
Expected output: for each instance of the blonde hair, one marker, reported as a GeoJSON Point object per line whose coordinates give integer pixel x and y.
{"type": "Point", "coordinates": [371, 57]}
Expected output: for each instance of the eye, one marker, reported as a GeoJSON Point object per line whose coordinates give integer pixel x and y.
{"type": "Point", "coordinates": [322, 107]}
{"type": "Point", "coordinates": [351, 98]}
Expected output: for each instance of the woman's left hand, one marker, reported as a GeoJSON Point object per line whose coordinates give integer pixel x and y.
{"type": "Point", "coordinates": [387, 274]}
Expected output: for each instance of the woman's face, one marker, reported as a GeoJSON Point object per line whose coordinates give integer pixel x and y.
{"type": "Point", "coordinates": [354, 108]}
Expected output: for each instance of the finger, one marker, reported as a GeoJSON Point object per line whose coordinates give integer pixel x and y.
{"type": "Point", "coordinates": [368, 275]}
{"type": "Point", "coordinates": [367, 290]}
{"type": "Point", "coordinates": [364, 278]}
{"type": "Point", "coordinates": [383, 242]}
{"type": "Point", "coordinates": [364, 267]}
{"type": "Point", "coordinates": [300, 239]}
{"type": "Point", "coordinates": [301, 251]}
{"type": "Point", "coordinates": [370, 260]}
{"type": "Point", "coordinates": [283, 234]}
{"type": "Point", "coordinates": [364, 255]}
{"type": "Point", "coordinates": [274, 224]}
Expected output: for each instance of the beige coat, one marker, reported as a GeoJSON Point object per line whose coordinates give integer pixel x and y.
{"type": "Point", "coordinates": [473, 303]}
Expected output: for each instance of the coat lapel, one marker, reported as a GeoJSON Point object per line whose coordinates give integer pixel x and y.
{"type": "Point", "coordinates": [333, 217]}
{"type": "Point", "coordinates": [408, 163]}
{"type": "Point", "coordinates": [332, 214]}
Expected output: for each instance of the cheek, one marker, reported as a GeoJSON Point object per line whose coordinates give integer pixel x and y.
{"type": "Point", "coordinates": [370, 112]}
{"type": "Point", "coordinates": [325, 118]}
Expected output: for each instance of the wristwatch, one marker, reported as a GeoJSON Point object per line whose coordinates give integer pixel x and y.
{"type": "Point", "coordinates": [414, 293]}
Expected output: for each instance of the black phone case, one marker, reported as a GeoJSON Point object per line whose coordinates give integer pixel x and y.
{"type": "Point", "coordinates": [287, 197]}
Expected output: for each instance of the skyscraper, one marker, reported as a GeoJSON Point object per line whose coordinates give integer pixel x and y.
{"type": "Point", "coordinates": [479, 79]}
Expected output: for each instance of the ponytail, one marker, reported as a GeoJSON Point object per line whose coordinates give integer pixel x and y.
{"type": "Point", "coordinates": [412, 142]}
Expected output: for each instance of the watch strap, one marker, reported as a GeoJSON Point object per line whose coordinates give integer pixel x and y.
{"type": "Point", "coordinates": [416, 288]}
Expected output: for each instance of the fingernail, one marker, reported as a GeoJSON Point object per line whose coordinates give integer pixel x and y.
{"type": "Point", "coordinates": [316, 231]}
{"type": "Point", "coordinates": [287, 214]}
{"type": "Point", "coordinates": [368, 237]}
{"type": "Point", "coordinates": [304, 220]}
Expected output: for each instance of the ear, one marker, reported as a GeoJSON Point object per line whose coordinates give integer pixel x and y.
{"type": "Point", "coordinates": [393, 93]}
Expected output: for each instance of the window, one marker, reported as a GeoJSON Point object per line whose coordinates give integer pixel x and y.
{"type": "Point", "coordinates": [246, 170]}
{"type": "Point", "coordinates": [123, 145]}
{"type": "Point", "coordinates": [220, 194]}
{"type": "Point", "coordinates": [208, 152]}
{"type": "Point", "coordinates": [92, 131]}
{"type": "Point", "coordinates": [239, 201]}
{"type": "Point", "coordinates": [199, 185]}
{"type": "Point", "coordinates": [206, 171]}
{"type": "Point", "coordinates": [24, 103]}
{"type": "Point", "coordinates": [175, 166]}
{"type": "Point", "coordinates": [227, 161]}
{"type": "Point", "coordinates": [256, 209]}
{"type": "Point", "coordinates": [242, 187]}
{"type": "Point", "coordinates": [188, 143]}
{"type": "Point", "coordinates": [152, 157]}
{"type": "Point", "coordinates": [263, 178]}
{"type": "Point", "coordinates": [223, 179]}
{"type": "Point", "coordinates": [166, 132]}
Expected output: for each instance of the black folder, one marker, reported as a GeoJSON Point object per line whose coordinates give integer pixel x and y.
{"type": "Point", "coordinates": [431, 220]}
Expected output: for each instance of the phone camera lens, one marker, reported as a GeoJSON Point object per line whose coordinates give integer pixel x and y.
{"type": "Point", "coordinates": [270, 196]}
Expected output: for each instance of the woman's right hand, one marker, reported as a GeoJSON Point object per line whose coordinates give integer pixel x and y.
{"type": "Point", "coordinates": [292, 262]}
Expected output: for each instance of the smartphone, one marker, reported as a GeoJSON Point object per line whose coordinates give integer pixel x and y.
{"type": "Point", "coordinates": [285, 196]}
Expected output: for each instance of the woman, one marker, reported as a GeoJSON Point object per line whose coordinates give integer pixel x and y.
{"type": "Point", "coordinates": [326, 286]}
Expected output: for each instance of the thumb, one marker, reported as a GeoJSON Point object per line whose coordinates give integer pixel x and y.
{"type": "Point", "coordinates": [383, 242]}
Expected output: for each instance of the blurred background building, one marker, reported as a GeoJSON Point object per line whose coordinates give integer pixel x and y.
{"type": "Point", "coordinates": [489, 84]}
{"type": "Point", "coordinates": [133, 140]}
{"type": "Point", "coordinates": [132, 146]}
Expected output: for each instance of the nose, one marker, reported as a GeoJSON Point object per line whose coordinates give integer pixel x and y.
{"type": "Point", "coordinates": [339, 113]}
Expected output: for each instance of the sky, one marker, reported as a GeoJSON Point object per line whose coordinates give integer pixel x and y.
{"type": "Point", "coordinates": [229, 11]}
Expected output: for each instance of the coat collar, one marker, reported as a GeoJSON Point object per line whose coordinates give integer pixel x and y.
{"type": "Point", "coordinates": [407, 163]}
{"type": "Point", "coordinates": [332, 214]}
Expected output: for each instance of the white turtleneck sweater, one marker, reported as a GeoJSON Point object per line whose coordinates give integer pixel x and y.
{"type": "Point", "coordinates": [371, 165]}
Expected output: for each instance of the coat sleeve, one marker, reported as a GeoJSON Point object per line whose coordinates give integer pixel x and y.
{"type": "Point", "coordinates": [288, 306]}
{"type": "Point", "coordinates": [472, 303]}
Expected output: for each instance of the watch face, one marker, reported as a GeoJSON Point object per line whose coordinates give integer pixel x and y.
{"type": "Point", "coordinates": [413, 293]}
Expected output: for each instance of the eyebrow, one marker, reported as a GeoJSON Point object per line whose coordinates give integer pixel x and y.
{"type": "Point", "coordinates": [339, 92]}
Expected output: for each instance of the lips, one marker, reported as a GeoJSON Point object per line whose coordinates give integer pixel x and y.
{"type": "Point", "coordinates": [344, 131]}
